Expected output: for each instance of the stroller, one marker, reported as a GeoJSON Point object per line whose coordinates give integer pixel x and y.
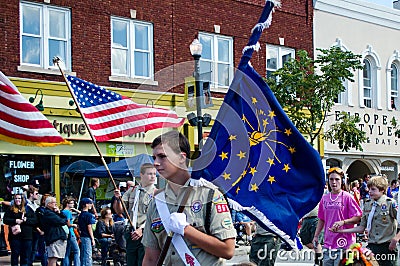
{"type": "Point", "coordinates": [115, 254]}
{"type": "Point", "coordinates": [116, 247]}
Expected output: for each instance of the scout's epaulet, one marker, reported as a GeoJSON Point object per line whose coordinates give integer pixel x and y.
{"type": "Point", "coordinates": [391, 202]}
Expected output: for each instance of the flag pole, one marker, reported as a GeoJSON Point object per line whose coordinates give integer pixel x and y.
{"type": "Point", "coordinates": [56, 61]}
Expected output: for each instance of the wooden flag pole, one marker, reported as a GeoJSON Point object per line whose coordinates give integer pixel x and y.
{"type": "Point", "coordinates": [56, 61]}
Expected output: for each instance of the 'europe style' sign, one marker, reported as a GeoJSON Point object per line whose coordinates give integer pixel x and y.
{"type": "Point", "coordinates": [377, 126]}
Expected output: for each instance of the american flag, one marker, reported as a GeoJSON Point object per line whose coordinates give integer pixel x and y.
{"type": "Point", "coordinates": [110, 115]}
{"type": "Point", "coordinates": [21, 123]}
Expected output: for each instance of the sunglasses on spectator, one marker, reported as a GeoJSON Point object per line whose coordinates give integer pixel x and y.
{"type": "Point", "coordinates": [336, 170]}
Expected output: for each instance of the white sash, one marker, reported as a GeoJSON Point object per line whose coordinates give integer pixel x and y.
{"type": "Point", "coordinates": [135, 208]}
{"type": "Point", "coordinates": [370, 216]}
{"type": "Point", "coordinates": [177, 240]}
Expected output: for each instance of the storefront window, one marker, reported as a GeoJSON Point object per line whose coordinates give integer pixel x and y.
{"type": "Point", "coordinates": [20, 170]}
{"type": "Point", "coordinates": [72, 169]}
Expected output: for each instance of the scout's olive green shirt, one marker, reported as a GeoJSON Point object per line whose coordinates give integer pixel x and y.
{"type": "Point", "coordinates": [384, 225]}
{"type": "Point", "coordinates": [221, 227]}
{"type": "Point", "coordinates": [145, 196]}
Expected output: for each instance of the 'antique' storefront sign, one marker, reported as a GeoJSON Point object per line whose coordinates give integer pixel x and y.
{"type": "Point", "coordinates": [377, 126]}
{"type": "Point", "coordinates": [75, 129]}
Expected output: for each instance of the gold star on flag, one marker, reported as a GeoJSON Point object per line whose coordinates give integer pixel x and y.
{"type": "Point", "coordinates": [226, 176]}
{"type": "Point", "coordinates": [271, 114]}
{"type": "Point", "coordinates": [237, 190]}
{"type": "Point", "coordinates": [253, 100]}
{"type": "Point", "coordinates": [265, 122]}
{"type": "Point", "coordinates": [286, 167]}
{"type": "Point", "coordinates": [271, 179]}
{"type": "Point", "coordinates": [224, 155]}
{"type": "Point", "coordinates": [253, 170]}
{"type": "Point", "coordinates": [254, 187]}
{"type": "Point", "coordinates": [232, 137]}
{"type": "Point", "coordinates": [292, 149]}
{"type": "Point", "coordinates": [288, 131]}
{"type": "Point", "coordinates": [270, 161]}
{"type": "Point", "coordinates": [241, 155]}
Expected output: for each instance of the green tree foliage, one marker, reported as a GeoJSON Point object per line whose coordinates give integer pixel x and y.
{"type": "Point", "coordinates": [307, 89]}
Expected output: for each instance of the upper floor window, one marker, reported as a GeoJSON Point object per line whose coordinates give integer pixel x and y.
{"type": "Point", "coordinates": [277, 56]}
{"type": "Point", "coordinates": [394, 86]}
{"type": "Point", "coordinates": [216, 62]}
{"type": "Point", "coordinates": [340, 98]}
{"type": "Point", "coordinates": [131, 48]}
{"type": "Point", "coordinates": [45, 33]}
{"type": "Point", "coordinates": [367, 84]}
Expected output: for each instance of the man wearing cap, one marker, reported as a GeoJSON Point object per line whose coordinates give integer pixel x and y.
{"type": "Point", "coordinates": [85, 221]}
{"type": "Point", "coordinates": [137, 202]}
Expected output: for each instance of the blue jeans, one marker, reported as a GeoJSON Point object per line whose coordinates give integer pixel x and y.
{"type": "Point", "coordinates": [86, 251]}
{"type": "Point", "coordinates": [104, 243]}
{"type": "Point", "coordinates": [35, 242]}
{"type": "Point", "coordinates": [72, 246]}
{"type": "Point", "coordinates": [42, 250]}
{"type": "Point", "coordinates": [20, 249]}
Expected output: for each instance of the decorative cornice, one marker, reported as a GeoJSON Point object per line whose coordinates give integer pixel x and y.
{"type": "Point", "coordinates": [361, 10]}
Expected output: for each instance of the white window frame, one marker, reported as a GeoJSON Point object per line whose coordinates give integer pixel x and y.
{"type": "Point", "coordinates": [214, 60]}
{"type": "Point", "coordinates": [376, 92]}
{"type": "Point", "coordinates": [393, 64]}
{"type": "Point", "coordinates": [45, 66]}
{"type": "Point", "coordinates": [367, 99]}
{"type": "Point", "coordinates": [280, 52]}
{"type": "Point", "coordinates": [131, 76]}
{"type": "Point", "coordinates": [394, 92]}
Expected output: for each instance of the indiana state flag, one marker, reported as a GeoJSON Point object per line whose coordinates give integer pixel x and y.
{"type": "Point", "coordinates": [257, 157]}
{"type": "Point", "coordinates": [260, 160]}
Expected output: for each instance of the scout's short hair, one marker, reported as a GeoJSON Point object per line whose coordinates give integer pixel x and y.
{"type": "Point", "coordinates": [146, 166]}
{"type": "Point", "coordinates": [175, 140]}
{"type": "Point", "coordinates": [94, 181]}
{"type": "Point", "coordinates": [378, 181]}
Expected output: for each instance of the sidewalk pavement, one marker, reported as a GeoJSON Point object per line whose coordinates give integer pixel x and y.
{"type": "Point", "coordinates": [241, 255]}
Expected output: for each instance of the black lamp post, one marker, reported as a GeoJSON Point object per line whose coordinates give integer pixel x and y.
{"type": "Point", "coordinates": [195, 49]}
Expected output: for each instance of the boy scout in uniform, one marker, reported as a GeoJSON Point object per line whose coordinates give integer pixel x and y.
{"type": "Point", "coordinates": [379, 220]}
{"type": "Point", "coordinates": [197, 239]}
{"type": "Point", "coordinates": [137, 201]}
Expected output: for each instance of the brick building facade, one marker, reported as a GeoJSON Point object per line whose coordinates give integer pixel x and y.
{"type": "Point", "coordinates": [85, 37]}
{"type": "Point", "coordinates": [175, 25]}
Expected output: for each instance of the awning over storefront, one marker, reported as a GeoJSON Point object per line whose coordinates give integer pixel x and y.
{"type": "Point", "coordinates": [129, 167]}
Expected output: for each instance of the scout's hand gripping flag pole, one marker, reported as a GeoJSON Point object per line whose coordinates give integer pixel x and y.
{"type": "Point", "coordinates": [56, 61]}
{"type": "Point", "coordinates": [257, 156]}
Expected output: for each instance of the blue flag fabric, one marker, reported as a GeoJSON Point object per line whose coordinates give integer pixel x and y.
{"type": "Point", "coordinates": [258, 158]}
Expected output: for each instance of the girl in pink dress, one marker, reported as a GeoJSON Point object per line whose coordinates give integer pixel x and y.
{"type": "Point", "coordinates": [337, 209]}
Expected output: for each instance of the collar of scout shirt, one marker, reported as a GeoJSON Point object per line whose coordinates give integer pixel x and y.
{"type": "Point", "coordinates": [146, 189]}
{"type": "Point", "coordinates": [170, 196]}
{"type": "Point", "coordinates": [381, 200]}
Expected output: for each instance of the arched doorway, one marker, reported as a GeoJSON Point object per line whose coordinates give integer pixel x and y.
{"type": "Point", "coordinates": [357, 170]}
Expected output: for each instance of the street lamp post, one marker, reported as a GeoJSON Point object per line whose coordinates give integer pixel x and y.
{"type": "Point", "coordinates": [195, 49]}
